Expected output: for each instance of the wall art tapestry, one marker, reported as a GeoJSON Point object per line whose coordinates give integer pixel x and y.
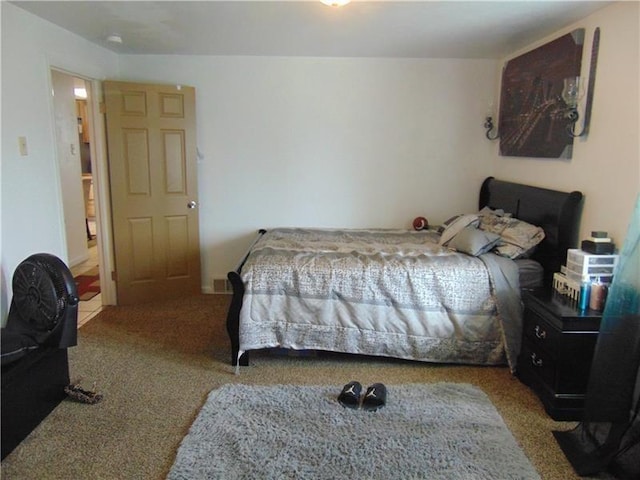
{"type": "Point", "coordinates": [532, 111]}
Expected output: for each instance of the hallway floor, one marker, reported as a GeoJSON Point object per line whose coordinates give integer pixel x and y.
{"type": "Point", "coordinates": [89, 309]}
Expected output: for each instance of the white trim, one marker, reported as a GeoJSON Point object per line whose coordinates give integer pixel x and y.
{"type": "Point", "coordinates": [63, 253]}
{"type": "Point", "coordinates": [100, 170]}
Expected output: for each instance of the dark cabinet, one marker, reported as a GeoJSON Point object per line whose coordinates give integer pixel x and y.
{"type": "Point", "coordinates": [557, 348]}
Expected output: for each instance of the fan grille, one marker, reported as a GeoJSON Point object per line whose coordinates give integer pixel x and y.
{"type": "Point", "coordinates": [40, 294]}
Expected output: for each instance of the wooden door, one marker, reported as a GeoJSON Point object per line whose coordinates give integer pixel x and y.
{"type": "Point", "coordinates": [152, 168]}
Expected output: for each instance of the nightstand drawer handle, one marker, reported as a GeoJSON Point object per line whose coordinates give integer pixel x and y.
{"type": "Point", "coordinates": [540, 333]}
{"type": "Point", "coordinates": [537, 362]}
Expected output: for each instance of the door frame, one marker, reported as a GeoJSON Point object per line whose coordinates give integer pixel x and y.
{"type": "Point", "coordinates": [102, 189]}
{"type": "Point", "coordinates": [101, 186]}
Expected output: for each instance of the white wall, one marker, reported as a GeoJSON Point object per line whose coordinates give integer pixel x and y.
{"type": "Point", "coordinates": [328, 142]}
{"type": "Point", "coordinates": [32, 215]}
{"type": "Point", "coordinates": [606, 163]}
{"type": "Point", "coordinates": [68, 153]}
{"type": "Point", "coordinates": [322, 142]}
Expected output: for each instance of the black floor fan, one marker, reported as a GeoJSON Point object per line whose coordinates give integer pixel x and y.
{"type": "Point", "coordinates": [45, 302]}
{"type": "Point", "coordinates": [41, 326]}
{"type": "Point", "coordinates": [608, 438]}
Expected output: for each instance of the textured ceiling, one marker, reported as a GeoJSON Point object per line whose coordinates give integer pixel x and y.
{"type": "Point", "coordinates": [427, 29]}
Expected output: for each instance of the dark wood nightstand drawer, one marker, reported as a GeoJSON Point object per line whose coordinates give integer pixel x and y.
{"type": "Point", "coordinates": [537, 362]}
{"type": "Point", "coordinates": [557, 347]}
{"type": "Point", "coordinates": [539, 333]}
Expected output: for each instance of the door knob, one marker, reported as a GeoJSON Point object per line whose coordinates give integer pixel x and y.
{"type": "Point", "coordinates": [192, 204]}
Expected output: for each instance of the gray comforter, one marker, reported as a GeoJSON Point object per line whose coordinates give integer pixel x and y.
{"type": "Point", "coordinates": [393, 293]}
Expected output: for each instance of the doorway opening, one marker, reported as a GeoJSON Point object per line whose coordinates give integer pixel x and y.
{"type": "Point", "coordinates": [76, 150]}
{"type": "Point", "coordinates": [87, 273]}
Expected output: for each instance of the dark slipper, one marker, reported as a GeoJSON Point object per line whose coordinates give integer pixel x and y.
{"type": "Point", "coordinates": [350, 395]}
{"type": "Point", "coordinates": [375, 398]}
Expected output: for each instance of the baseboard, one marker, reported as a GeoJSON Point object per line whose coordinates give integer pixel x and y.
{"type": "Point", "coordinates": [209, 291]}
{"type": "Point", "coordinates": [77, 260]}
{"type": "Point", "coordinates": [222, 285]}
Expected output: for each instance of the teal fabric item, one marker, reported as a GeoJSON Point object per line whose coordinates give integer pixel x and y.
{"type": "Point", "coordinates": [617, 356]}
{"type": "Point", "coordinates": [609, 436]}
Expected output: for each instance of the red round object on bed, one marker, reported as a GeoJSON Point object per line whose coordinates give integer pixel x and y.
{"type": "Point", "coordinates": [420, 223]}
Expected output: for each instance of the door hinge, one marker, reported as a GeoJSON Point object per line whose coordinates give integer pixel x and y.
{"type": "Point", "coordinates": [114, 277]}
{"type": "Point", "coordinates": [103, 108]}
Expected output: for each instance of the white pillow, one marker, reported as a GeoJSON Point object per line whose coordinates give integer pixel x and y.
{"type": "Point", "coordinates": [473, 241]}
{"type": "Point", "coordinates": [490, 211]}
{"type": "Point", "coordinates": [455, 225]}
{"type": "Point", "coordinates": [519, 238]}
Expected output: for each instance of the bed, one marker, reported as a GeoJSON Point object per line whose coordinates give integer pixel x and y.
{"type": "Point", "coordinates": [447, 295]}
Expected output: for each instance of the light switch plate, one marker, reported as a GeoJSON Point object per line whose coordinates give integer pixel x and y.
{"type": "Point", "coordinates": [22, 146]}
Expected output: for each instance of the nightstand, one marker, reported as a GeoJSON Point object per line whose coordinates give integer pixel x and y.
{"type": "Point", "coordinates": [557, 348]}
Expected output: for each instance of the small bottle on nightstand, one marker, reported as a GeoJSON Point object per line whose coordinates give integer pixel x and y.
{"type": "Point", "coordinates": [597, 295]}
{"type": "Point", "coordinates": [585, 290]}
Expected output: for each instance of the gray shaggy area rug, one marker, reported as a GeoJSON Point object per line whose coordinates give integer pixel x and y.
{"type": "Point", "coordinates": [432, 431]}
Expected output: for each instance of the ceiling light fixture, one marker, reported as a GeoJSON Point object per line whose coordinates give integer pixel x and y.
{"type": "Point", "coordinates": [335, 3]}
{"type": "Point", "coordinates": [115, 38]}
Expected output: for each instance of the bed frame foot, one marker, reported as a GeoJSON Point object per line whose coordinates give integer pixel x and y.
{"type": "Point", "coordinates": [233, 315]}
{"type": "Point", "coordinates": [233, 318]}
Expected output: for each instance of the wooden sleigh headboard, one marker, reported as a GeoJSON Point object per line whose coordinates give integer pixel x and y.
{"type": "Point", "coordinates": [558, 213]}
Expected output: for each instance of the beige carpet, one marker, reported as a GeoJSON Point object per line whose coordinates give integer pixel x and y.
{"type": "Point", "coordinates": [155, 365]}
